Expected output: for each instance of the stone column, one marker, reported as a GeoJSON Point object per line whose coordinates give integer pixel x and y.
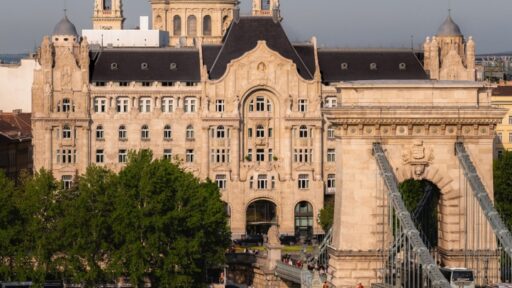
{"type": "Point", "coordinates": [356, 241]}
{"type": "Point", "coordinates": [288, 152]}
{"type": "Point", "coordinates": [235, 153]}
{"type": "Point", "coordinates": [205, 151]}
{"type": "Point", "coordinates": [317, 152]}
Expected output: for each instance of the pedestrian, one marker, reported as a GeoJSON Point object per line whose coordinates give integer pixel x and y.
{"type": "Point", "coordinates": [326, 285]}
{"type": "Point", "coordinates": [359, 285]}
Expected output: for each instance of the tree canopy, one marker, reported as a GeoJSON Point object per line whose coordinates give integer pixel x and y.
{"type": "Point", "coordinates": [150, 222]}
{"type": "Point", "coordinates": [503, 186]}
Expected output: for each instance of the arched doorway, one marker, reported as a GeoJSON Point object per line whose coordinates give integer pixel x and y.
{"type": "Point", "coordinates": [304, 220]}
{"type": "Point", "coordinates": [421, 197]}
{"type": "Point", "coordinates": [260, 216]}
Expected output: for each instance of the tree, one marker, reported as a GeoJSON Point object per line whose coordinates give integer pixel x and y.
{"type": "Point", "coordinates": [85, 228]}
{"type": "Point", "coordinates": [327, 215]}
{"type": "Point", "coordinates": [503, 186]}
{"type": "Point", "coordinates": [168, 227]}
{"type": "Point", "coordinates": [11, 229]}
{"type": "Point", "coordinates": [38, 202]}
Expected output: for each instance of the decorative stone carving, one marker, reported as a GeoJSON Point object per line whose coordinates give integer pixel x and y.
{"type": "Point", "coordinates": [418, 157]}
{"type": "Point", "coordinates": [273, 236]}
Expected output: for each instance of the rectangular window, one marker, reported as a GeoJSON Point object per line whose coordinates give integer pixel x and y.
{"type": "Point", "coordinates": [330, 133]}
{"type": "Point", "coordinates": [500, 136]}
{"type": "Point", "coordinates": [303, 182]}
{"type": "Point", "coordinates": [249, 155]}
{"type": "Point", "coordinates": [123, 84]}
{"type": "Point", "coordinates": [190, 105]}
{"type": "Point", "coordinates": [303, 105]}
{"type": "Point", "coordinates": [168, 154]}
{"type": "Point", "coordinates": [260, 155]}
{"type": "Point", "coordinates": [221, 181]}
{"type": "Point", "coordinates": [167, 105]}
{"type": "Point", "coordinates": [249, 132]}
{"type": "Point", "coordinates": [270, 155]}
{"type": "Point", "coordinates": [123, 156]}
{"type": "Point", "coordinates": [99, 133]}
{"type": "Point", "coordinates": [219, 106]}
{"type": "Point", "coordinates": [273, 182]}
{"type": "Point", "coordinates": [145, 105]}
{"type": "Point", "coordinates": [219, 155]}
{"type": "Point", "coordinates": [146, 84]}
{"type": "Point", "coordinates": [167, 84]}
{"type": "Point", "coordinates": [270, 132]}
{"type": "Point", "coordinates": [66, 156]}
{"type": "Point", "coordinates": [303, 155]}
{"type": "Point", "coordinates": [331, 155]}
{"type": "Point", "coordinates": [100, 105]}
{"type": "Point", "coordinates": [262, 182]}
{"type": "Point", "coordinates": [331, 181]}
{"type": "Point", "coordinates": [190, 156]}
{"type": "Point", "coordinates": [331, 102]}
{"type": "Point", "coordinates": [510, 120]}
{"type": "Point", "coordinates": [67, 181]}
{"type": "Point", "coordinates": [122, 104]}
{"type": "Point", "coordinates": [100, 156]}
{"type": "Point", "coordinates": [510, 137]}
{"type": "Point", "coordinates": [260, 104]}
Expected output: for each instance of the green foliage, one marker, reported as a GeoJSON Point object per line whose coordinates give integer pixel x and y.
{"type": "Point", "coordinates": [152, 221]}
{"type": "Point", "coordinates": [503, 186]}
{"type": "Point", "coordinates": [327, 216]}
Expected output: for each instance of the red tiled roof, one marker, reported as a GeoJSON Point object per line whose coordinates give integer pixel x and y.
{"type": "Point", "coordinates": [15, 126]}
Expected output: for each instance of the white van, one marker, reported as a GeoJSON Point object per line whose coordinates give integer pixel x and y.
{"type": "Point", "coordinates": [459, 277]}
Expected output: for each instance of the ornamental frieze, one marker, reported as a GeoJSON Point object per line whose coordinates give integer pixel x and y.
{"type": "Point", "coordinates": [417, 158]}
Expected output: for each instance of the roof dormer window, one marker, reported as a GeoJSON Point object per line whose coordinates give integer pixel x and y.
{"type": "Point", "coordinates": [173, 66]}
{"type": "Point", "coordinates": [144, 66]}
{"type": "Point", "coordinates": [344, 66]}
{"type": "Point", "coordinates": [402, 66]}
{"type": "Point", "coordinates": [113, 66]}
{"type": "Point", "coordinates": [373, 66]}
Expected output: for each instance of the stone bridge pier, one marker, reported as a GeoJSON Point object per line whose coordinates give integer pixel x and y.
{"type": "Point", "coordinates": [418, 128]}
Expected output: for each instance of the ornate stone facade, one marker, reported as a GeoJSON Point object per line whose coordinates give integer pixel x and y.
{"type": "Point", "coordinates": [279, 126]}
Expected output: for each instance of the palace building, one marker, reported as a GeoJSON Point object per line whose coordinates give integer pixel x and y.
{"type": "Point", "coordinates": [231, 98]}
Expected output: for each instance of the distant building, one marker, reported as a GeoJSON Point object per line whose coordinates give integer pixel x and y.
{"type": "Point", "coordinates": [495, 67]}
{"type": "Point", "coordinates": [502, 98]}
{"type": "Point", "coordinates": [16, 85]}
{"type": "Point", "coordinates": [15, 143]}
{"type": "Point", "coordinates": [142, 37]}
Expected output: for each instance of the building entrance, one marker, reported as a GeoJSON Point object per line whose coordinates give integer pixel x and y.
{"type": "Point", "coordinates": [260, 216]}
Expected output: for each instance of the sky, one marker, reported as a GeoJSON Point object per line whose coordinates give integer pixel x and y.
{"type": "Point", "coordinates": [336, 23]}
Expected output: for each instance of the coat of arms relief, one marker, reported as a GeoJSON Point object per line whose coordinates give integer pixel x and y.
{"type": "Point", "coordinates": [418, 158]}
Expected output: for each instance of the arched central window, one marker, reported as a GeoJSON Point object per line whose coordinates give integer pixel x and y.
{"type": "Point", "coordinates": [260, 132]}
{"type": "Point", "coordinates": [260, 104]}
{"type": "Point", "coordinates": [191, 25]}
{"type": "Point", "coordinates": [144, 132]}
{"type": "Point", "coordinates": [122, 133]}
{"type": "Point", "coordinates": [221, 132]}
{"type": "Point", "coordinates": [176, 22]}
{"type": "Point", "coordinates": [303, 132]}
{"type": "Point", "coordinates": [304, 219]}
{"type": "Point", "coordinates": [207, 25]}
{"type": "Point", "coordinates": [66, 132]}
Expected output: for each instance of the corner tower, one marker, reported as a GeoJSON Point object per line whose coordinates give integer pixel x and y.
{"type": "Point", "coordinates": [108, 15]}
{"type": "Point", "coordinates": [448, 56]}
{"type": "Point", "coordinates": [189, 21]}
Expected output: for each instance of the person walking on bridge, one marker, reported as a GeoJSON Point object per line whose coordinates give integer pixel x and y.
{"type": "Point", "coordinates": [359, 285]}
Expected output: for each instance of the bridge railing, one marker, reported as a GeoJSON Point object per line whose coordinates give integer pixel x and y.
{"type": "Point", "coordinates": [411, 265]}
{"type": "Point", "coordinates": [489, 257]}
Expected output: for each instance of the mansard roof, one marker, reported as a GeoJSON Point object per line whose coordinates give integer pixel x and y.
{"type": "Point", "coordinates": [145, 64]}
{"type": "Point", "coordinates": [243, 36]}
{"type": "Point", "coordinates": [352, 65]}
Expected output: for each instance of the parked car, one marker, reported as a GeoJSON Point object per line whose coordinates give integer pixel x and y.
{"type": "Point", "coordinates": [250, 240]}
{"type": "Point", "coordinates": [288, 240]}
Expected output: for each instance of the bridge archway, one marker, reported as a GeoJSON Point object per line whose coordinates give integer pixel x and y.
{"type": "Point", "coordinates": [260, 215]}
{"type": "Point", "coordinates": [422, 199]}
